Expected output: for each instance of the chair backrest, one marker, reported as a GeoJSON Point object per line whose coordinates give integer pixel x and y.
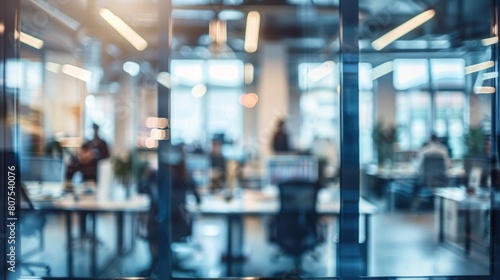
{"type": "Point", "coordinates": [434, 173]}
{"type": "Point", "coordinates": [298, 196]}
{"type": "Point", "coordinates": [296, 222]}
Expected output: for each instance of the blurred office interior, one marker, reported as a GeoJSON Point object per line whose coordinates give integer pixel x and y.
{"type": "Point", "coordinates": [186, 98]}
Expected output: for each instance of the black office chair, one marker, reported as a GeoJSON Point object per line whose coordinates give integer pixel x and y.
{"type": "Point", "coordinates": [433, 175]}
{"type": "Point", "coordinates": [296, 229]}
{"type": "Point", "coordinates": [418, 194]}
{"type": "Point", "coordinates": [32, 223]}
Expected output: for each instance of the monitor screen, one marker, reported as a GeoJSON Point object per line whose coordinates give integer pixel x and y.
{"type": "Point", "coordinates": [42, 169]}
{"type": "Point", "coordinates": [291, 167]}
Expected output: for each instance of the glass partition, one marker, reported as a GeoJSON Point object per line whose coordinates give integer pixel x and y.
{"type": "Point", "coordinates": [430, 170]}
{"type": "Point", "coordinates": [213, 139]}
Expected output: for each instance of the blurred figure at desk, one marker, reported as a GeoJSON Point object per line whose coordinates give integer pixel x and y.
{"type": "Point", "coordinates": [84, 162]}
{"type": "Point", "coordinates": [432, 163]}
{"type": "Point", "coordinates": [217, 165]}
{"type": "Point", "coordinates": [181, 186]}
{"type": "Point", "coordinates": [432, 147]}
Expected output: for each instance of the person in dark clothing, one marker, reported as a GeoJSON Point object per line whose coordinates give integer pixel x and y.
{"type": "Point", "coordinates": [280, 139]}
{"type": "Point", "coordinates": [218, 166]}
{"type": "Point", "coordinates": [181, 185]}
{"type": "Point", "coordinates": [99, 146]}
{"type": "Point", "coordinates": [83, 162]}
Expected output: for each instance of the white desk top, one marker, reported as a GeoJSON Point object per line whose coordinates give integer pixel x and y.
{"type": "Point", "coordinates": [90, 203]}
{"type": "Point", "coordinates": [460, 196]}
{"type": "Point", "coordinates": [266, 202]}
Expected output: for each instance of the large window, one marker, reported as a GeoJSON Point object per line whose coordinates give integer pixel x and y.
{"type": "Point", "coordinates": [205, 100]}
{"type": "Point", "coordinates": [430, 99]}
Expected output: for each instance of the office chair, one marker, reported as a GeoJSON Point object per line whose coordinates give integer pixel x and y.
{"type": "Point", "coordinates": [433, 175]}
{"type": "Point", "coordinates": [418, 194]}
{"type": "Point", "coordinates": [32, 223]}
{"type": "Point", "coordinates": [296, 229]}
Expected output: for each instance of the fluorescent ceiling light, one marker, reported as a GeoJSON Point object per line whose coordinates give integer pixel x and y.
{"type": "Point", "coordinates": [53, 67]}
{"type": "Point", "coordinates": [126, 31]}
{"type": "Point", "coordinates": [57, 14]}
{"type": "Point", "coordinates": [490, 75]}
{"type": "Point", "coordinates": [217, 31]}
{"type": "Point", "coordinates": [249, 73]}
{"type": "Point", "coordinates": [252, 32]}
{"type": "Point", "coordinates": [484, 90]}
{"type": "Point", "coordinates": [76, 72]}
{"type": "Point", "coordinates": [383, 69]}
{"type": "Point", "coordinates": [30, 40]}
{"type": "Point", "coordinates": [478, 67]}
{"type": "Point", "coordinates": [489, 41]}
{"type": "Point", "coordinates": [2, 28]}
{"type": "Point", "coordinates": [402, 30]}
{"type": "Point", "coordinates": [321, 71]}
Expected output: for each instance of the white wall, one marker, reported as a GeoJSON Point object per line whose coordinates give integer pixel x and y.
{"type": "Point", "coordinates": [273, 90]}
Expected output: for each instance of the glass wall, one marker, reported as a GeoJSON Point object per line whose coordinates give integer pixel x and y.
{"type": "Point", "coordinates": [208, 139]}
{"type": "Point", "coordinates": [431, 175]}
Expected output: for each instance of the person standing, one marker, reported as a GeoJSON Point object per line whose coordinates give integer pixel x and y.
{"type": "Point", "coordinates": [99, 146]}
{"type": "Point", "coordinates": [281, 142]}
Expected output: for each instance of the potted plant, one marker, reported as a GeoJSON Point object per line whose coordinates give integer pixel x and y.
{"type": "Point", "coordinates": [475, 142]}
{"type": "Point", "coordinates": [127, 170]}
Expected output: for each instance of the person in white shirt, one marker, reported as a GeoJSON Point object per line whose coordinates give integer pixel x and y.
{"type": "Point", "coordinates": [432, 147]}
{"type": "Point", "coordinates": [433, 175]}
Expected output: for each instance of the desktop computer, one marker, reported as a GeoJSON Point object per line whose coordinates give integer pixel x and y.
{"type": "Point", "coordinates": [283, 168]}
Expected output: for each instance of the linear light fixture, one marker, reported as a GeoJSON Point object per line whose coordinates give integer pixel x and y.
{"type": "Point", "coordinates": [2, 28]}
{"type": "Point", "coordinates": [57, 14]}
{"type": "Point", "coordinates": [490, 75]}
{"type": "Point", "coordinates": [321, 71]}
{"type": "Point", "coordinates": [484, 90]}
{"type": "Point", "coordinates": [478, 67]}
{"type": "Point", "coordinates": [30, 40]}
{"type": "Point", "coordinates": [252, 32]}
{"type": "Point", "coordinates": [217, 30]}
{"type": "Point", "coordinates": [383, 69]}
{"type": "Point", "coordinates": [77, 72]}
{"type": "Point", "coordinates": [489, 41]}
{"type": "Point", "coordinates": [402, 30]}
{"type": "Point", "coordinates": [53, 67]}
{"type": "Point", "coordinates": [126, 31]}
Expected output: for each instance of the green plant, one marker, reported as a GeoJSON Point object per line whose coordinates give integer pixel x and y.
{"type": "Point", "coordinates": [384, 136]}
{"type": "Point", "coordinates": [122, 167]}
{"type": "Point", "coordinates": [475, 141]}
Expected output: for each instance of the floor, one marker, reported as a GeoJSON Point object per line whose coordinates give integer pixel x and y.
{"type": "Point", "coordinates": [402, 244]}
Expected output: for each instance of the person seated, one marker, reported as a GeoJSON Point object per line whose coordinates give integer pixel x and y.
{"type": "Point", "coordinates": [83, 162]}
{"type": "Point", "coordinates": [181, 185]}
{"type": "Point", "coordinates": [218, 166]}
{"type": "Point", "coordinates": [432, 164]}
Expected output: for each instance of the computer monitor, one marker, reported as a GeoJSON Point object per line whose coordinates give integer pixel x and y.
{"type": "Point", "coordinates": [42, 169]}
{"type": "Point", "coordinates": [285, 168]}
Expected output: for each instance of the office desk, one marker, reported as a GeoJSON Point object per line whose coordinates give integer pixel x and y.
{"type": "Point", "coordinates": [266, 203]}
{"type": "Point", "coordinates": [92, 206]}
{"type": "Point", "coordinates": [464, 202]}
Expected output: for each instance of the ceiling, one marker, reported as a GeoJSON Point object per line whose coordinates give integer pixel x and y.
{"type": "Point", "coordinates": [308, 27]}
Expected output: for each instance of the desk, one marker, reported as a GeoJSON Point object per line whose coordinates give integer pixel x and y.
{"type": "Point", "coordinates": [264, 203]}
{"type": "Point", "coordinates": [464, 202]}
{"type": "Point", "coordinates": [92, 206]}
